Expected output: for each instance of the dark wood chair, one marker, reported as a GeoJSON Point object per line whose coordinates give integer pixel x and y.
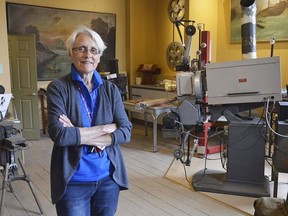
{"type": "Point", "coordinates": [43, 102]}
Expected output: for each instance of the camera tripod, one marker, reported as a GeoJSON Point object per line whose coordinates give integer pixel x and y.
{"type": "Point", "coordinates": [10, 173]}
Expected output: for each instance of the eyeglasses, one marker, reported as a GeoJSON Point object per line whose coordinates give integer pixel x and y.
{"type": "Point", "coordinates": [84, 49]}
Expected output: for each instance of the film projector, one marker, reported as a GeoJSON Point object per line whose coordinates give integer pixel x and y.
{"type": "Point", "coordinates": [208, 91]}
{"type": "Point", "coordinates": [188, 72]}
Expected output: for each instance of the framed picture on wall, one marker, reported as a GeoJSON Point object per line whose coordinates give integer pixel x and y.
{"type": "Point", "coordinates": [271, 20]}
{"type": "Point", "coordinates": [51, 27]}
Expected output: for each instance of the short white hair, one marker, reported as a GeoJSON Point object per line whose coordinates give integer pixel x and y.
{"type": "Point", "coordinates": [70, 42]}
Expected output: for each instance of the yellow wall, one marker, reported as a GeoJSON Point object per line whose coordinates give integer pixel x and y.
{"type": "Point", "coordinates": [228, 52]}
{"type": "Point", "coordinates": [151, 32]}
{"type": "Point", "coordinates": [205, 11]}
{"type": "Point", "coordinates": [144, 31]}
{"type": "Point", "coordinates": [4, 59]}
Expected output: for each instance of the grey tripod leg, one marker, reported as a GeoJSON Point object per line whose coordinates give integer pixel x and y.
{"type": "Point", "coordinates": [27, 179]}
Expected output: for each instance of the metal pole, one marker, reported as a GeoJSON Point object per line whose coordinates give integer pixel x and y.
{"type": "Point", "coordinates": [248, 28]}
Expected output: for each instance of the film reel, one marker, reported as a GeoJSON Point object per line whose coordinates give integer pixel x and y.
{"type": "Point", "coordinates": [198, 85]}
{"type": "Point", "coordinates": [174, 54]}
{"type": "Point", "coordinates": [176, 10]}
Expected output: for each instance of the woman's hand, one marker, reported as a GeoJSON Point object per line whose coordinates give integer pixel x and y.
{"type": "Point", "coordinates": [109, 128]}
{"type": "Point", "coordinates": [65, 121]}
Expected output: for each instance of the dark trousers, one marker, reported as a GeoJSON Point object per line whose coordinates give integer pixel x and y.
{"type": "Point", "coordinates": [99, 198]}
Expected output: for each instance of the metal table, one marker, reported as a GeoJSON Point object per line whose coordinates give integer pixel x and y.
{"type": "Point", "coordinates": [154, 111]}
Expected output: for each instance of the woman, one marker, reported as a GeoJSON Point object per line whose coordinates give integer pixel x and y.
{"type": "Point", "coordinates": [87, 123]}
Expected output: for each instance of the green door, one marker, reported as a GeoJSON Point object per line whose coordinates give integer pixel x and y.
{"type": "Point", "coordinates": [22, 57]}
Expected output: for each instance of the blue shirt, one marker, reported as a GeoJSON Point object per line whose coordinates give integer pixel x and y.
{"type": "Point", "coordinates": [92, 166]}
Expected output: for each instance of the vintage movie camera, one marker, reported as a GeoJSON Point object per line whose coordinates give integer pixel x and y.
{"type": "Point", "coordinates": [10, 141]}
{"type": "Point", "coordinates": [10, 137]}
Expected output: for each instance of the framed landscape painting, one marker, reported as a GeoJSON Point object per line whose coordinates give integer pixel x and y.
{"type": "Point", "coordinates": [51, 27]}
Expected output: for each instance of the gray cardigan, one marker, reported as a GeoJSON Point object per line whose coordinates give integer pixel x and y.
{"type": "Point", "coordinates": [62, 98]}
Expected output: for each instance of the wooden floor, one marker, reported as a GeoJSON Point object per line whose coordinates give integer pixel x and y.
{"type": "Point", "coordinates": [150, 194]}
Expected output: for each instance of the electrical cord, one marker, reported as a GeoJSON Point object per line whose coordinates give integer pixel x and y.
{"type": "Point", "coordinates": [205, 166]}
{"type": "Point", "coordinates": [218, 133]}
{"type": "Point", "coordinates": [268, 121]}
{"type": "Point", "coordinates": [204, 170]}
{"type": "Point", "coordinates": [222, 159]}
{"type": "Point", "coordinates": [265, 113]}
{"type": "Point", "coordinates": [194, 136]}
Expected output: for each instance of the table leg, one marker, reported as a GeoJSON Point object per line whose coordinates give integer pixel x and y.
{"type": "Point", "coordinates": [155, 139]}
{"type": "Point", "coordinates": [154, 112]}
{"type": "Point", "coordinates": [145, 124]}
